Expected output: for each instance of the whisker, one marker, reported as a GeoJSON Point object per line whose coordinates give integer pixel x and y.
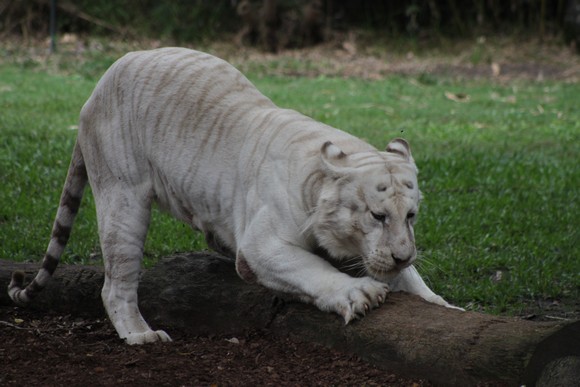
{"type": "Point", "coordinates": [428, 263]}
{"type": "Point", "coordinates": [307, 226]}
{"type": "Point", "coordinates": [354, 265]}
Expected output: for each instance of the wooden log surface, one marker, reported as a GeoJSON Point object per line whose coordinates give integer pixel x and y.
{"type": "Point", "coordinates": [202, 293]}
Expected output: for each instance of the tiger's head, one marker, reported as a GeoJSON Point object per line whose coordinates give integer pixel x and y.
{"type": "Point", "coordinates": [368, 208]}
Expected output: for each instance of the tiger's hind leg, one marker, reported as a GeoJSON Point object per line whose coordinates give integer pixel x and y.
{"type": "Point", "coordinates": [123, 224]}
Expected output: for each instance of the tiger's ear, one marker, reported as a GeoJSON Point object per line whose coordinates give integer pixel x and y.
{"type": "Point", "coordinates": [400, 147]}
{"type": "Point", "coordinates": [334, 160]}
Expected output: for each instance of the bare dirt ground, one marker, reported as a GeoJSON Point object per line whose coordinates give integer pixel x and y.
{"type": "Point", "coordinates": [358, 55]}
{"type": "Point", "coordinates": [353, 54]}
{"type": "Point", "coordinates": [49, 349]}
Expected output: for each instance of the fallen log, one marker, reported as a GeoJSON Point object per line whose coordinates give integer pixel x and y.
{"type": "Point", "coordinates": [201, 293]}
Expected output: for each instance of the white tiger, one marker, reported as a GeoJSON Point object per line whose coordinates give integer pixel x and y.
{"type": "Point", "coordinates": [271, 186]}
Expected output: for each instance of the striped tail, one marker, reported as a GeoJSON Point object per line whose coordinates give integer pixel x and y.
{"type": "Point", "coordinates": [70, 201]}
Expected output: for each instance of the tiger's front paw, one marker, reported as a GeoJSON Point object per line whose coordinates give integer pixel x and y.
{"type": "Point", "coordinates": [149, 336]}
{"type": "Point", "coordinates": [355, 298]}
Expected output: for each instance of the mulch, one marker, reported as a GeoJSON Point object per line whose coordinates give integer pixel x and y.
{"type": "Point", "coordinates": [48, 349]}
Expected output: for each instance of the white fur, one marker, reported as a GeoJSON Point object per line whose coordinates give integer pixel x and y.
{"type": "Point", "coordinates": [272, 186]}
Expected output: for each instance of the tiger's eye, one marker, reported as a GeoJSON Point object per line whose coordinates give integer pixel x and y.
{"type": "Point", "coordinates": [410, 215]}
{"type": "Point", "coordinates": [380, 217]}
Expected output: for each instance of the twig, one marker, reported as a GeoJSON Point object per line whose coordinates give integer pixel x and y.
{"type": "Point", "coordinates": [14, 326]}
{"type": "Point", "coordinates": [557, 318]}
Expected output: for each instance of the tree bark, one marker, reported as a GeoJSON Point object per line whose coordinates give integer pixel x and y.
{"type": "Point", "coordinates": [201, 293]}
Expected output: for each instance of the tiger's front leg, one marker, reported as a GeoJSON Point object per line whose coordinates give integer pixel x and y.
{"type": "Point", "coordinates": [295, 271]}
{"type": "Point", "coordinates": [409, 280]}
{"type": "Point", "coordinates": [285, 267]}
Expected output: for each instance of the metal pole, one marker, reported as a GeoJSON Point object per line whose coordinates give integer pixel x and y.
{"type": "Point", "coordinates": [52, 26]}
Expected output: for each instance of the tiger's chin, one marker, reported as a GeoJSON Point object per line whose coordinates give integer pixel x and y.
{"type": "Point", "coordinates": [382, 274]}
{"type": "Point", "coordinates": [384, 271]}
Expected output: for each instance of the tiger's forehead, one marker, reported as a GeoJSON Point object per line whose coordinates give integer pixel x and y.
{"type": "Point", "coordinates": [385, 176]}
{"type": "Point", "coordinates": [389, 191]}
{"type": "Point", "coordinates": [366, 159]}
{"type": "Point", "coordinates": [390, 166]}
{"type": "Point", "coordinates": [391, 184]}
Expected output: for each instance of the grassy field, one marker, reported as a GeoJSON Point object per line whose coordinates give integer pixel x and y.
{"type": "Point", "coordinates": [500, 222]}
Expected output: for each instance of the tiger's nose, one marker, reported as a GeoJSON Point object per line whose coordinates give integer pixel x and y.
{"type": "Point", "coordinates": [400, 261]}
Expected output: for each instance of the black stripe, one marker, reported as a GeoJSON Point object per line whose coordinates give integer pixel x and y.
{"type": "Point", "coordinates": [18, 278]}
{"type": "Point", "coordinates": [49, 263]}
{"type": "Point", "coordinates": [33, 289]}
{"type": "Point", "coordinates": [72, 202]}
{"type": "Point", "coordinates": [61, 233]}
{"type": "Point", "coordinates": [397, 151]}
{"type": "Point", "coordinates": [80, 171]}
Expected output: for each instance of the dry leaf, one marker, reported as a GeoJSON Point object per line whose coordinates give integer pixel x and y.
{"type": "Point", "coordinates": [495, 69]}
{"type": "Point", "coordinates": [233, 340]}
{"type": "Point", "coordinates": [349, 47]}
{"type": "Point", "coordinates": [497, 276]}
{"type": "Point", "coordinates": [457, 97]}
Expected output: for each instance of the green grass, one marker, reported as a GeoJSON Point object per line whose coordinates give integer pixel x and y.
{"type": "Point", "coordinates": [499, 174]}
{"type": "Point", "coordinates": [38, 120]}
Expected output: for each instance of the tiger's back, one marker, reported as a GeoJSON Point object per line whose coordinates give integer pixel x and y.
{"type": "Point", "coordinates": [192, 131]}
